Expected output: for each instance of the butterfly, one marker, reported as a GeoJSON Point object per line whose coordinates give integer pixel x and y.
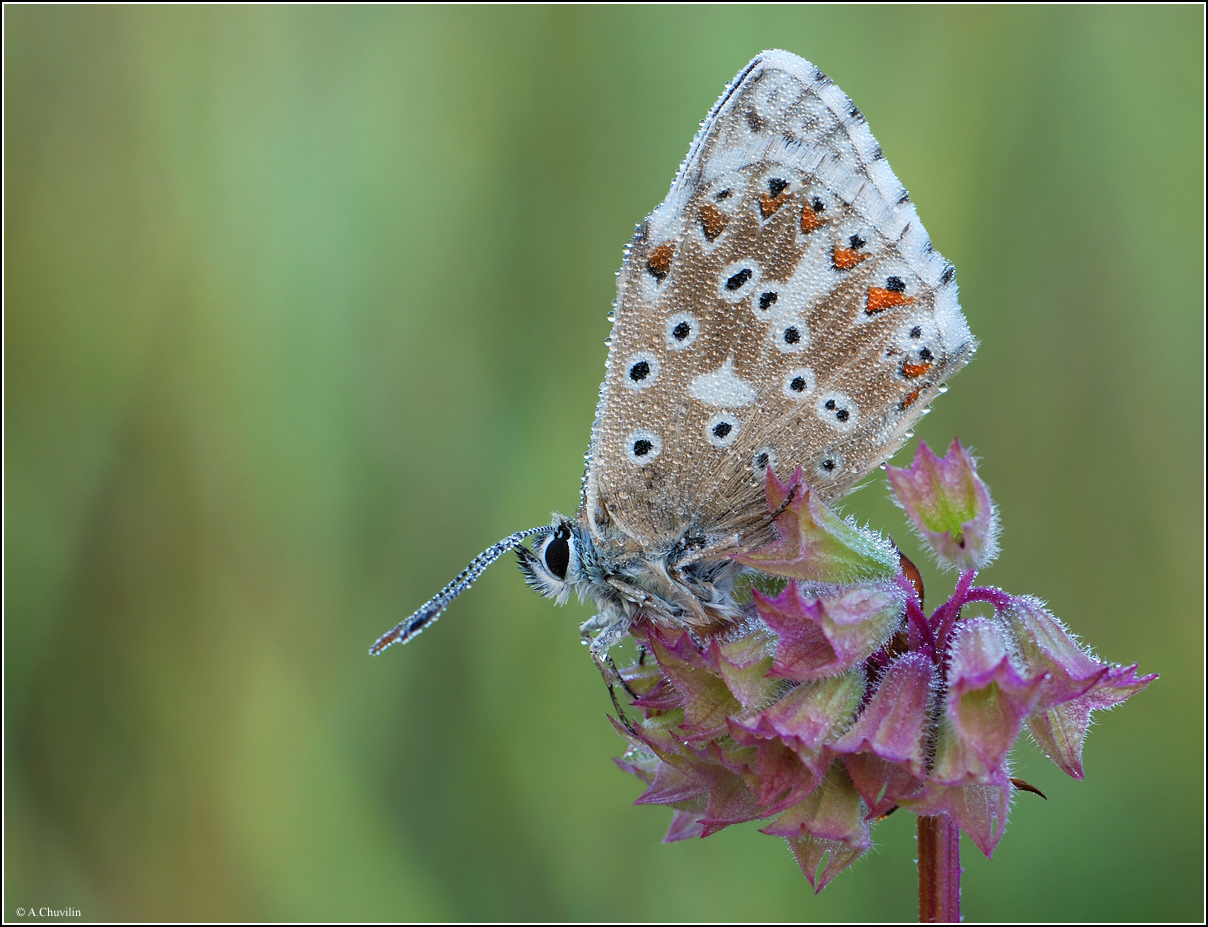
{"type": "Point", "coordinates": [782, 307]}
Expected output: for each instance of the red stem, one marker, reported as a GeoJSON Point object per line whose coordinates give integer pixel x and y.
{"type": "Point", "coordinates": [939, 870]}
{"type": "Point", "coordinates": [920, 630]}
{"type": "Point", "coordinates": [996, 597]}
{"type": "Point", "coordinates": [945, 616]}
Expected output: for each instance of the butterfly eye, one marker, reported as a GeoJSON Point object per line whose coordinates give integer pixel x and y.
{"type": "Point", "coordinates": [557, 552]}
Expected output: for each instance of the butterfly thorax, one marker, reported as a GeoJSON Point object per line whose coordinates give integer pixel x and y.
{"type": "Point", "coordinates": [686, 581]}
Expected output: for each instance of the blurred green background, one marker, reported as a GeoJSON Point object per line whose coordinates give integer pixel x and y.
{"type": "Point", "coordinates": [305, 307]}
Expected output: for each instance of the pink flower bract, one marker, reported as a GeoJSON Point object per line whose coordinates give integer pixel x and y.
{"type": "Point", "coordinates": [838, 699]}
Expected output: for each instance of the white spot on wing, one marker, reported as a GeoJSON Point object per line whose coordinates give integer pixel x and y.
{"type": "Point", "coordinates": [641, 447]}
{"type": "Point", "coordinates": [682, 329]}
{"type": "Point", "coordinates": [722, 387]}
{"type": "Point", "coordinates": [799, 383]}
{"type": "Point", "coordinates": [791, 336]}
{"type": "Point", "coordinates": [722, 429]}
{"type": "Point", "coordinates": [738, 280]}
{"type": "Point", "coordinates": [829, 466]}
{"type": "Point", "coordinates": [641, 370]}
{"type": "Point", "coordinates": [837, 410]}
{"type": "Point", "coordinates": [763, 458]}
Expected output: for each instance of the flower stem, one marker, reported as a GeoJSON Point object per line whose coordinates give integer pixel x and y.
{"type": "Point", "coordinates": [945, 616]}
{"type": "Point", "coordinates": [939, 870]}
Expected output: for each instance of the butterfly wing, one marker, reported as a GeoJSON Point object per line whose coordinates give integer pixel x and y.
{"type": "Point", "coordinates": [783, 307]}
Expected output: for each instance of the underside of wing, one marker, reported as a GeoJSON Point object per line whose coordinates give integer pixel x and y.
{"type": "Point", "coordinates": [783, 307]}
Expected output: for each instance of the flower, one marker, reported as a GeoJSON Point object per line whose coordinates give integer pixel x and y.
{"type": "Point", "coordinates": [837, 699]}
{"type": "Point", "coordinates": [949, 506]}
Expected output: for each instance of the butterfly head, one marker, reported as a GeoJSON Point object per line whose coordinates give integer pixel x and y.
{"type": "Point", "coordinates": [555, 565]}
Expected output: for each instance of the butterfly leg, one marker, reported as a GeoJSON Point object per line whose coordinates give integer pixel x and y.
{"type": "Point", "coordinates": [610, 633]}
{"type": "Point", "coordinates": [787, 501]}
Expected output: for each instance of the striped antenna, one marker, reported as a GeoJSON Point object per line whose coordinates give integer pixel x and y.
{"type": "Point", "coordinates": [432, 609]}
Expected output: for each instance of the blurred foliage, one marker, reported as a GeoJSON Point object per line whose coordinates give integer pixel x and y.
{"type": "Point", "coordinates": [304, 307]}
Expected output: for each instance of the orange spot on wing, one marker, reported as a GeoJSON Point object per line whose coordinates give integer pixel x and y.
{"type": "Point", "coordinates": [659, 262]}
{"type": "Point", "coordinates": [769, 204]}
{"type": "Point", "coordinates": [847, 258]}
{"type": "Point", "coordinates": [910, 399]}
{"type": "Point", "coordinates": [713, 221]}
{"type": "Point", "coordinates": [880, 299]}
{"type": "Point", "coordinates": [810, 221]}
{"type": "Point", "coordinates": [913, 371]}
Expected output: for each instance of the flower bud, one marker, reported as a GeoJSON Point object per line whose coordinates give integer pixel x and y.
{"type": "Point", "coordinates": [829, 633]}
{"type": "Point", "coordinates": [949, 506]}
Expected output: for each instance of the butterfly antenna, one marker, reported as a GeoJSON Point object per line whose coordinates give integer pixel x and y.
{"type": "Point", "coordinates": [432, 609]}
